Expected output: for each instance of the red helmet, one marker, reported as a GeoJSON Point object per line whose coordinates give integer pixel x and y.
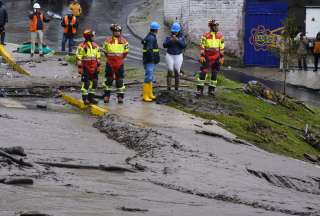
{"type": "Point", "coordinates": [88, 34]}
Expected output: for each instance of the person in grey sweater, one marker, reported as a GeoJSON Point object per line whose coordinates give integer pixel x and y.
{"type": "Point", "coordinates": [3, 22]}
{"type": "Point", "coordinates": [302, 51]}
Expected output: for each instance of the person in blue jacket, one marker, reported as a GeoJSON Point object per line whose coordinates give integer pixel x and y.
{"type": "Point", "coordinates": [151, 58]}
{"type": "Point", "coordinates": [175, 44]}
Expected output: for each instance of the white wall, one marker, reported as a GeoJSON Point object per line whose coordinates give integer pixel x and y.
{"type": "Point", "coordinates": [194, 14]}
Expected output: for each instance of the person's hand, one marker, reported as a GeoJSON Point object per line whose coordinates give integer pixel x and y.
{"type": "Point", "coordinates": [202, 60]}
{"type": "Point", "coordinates": [221, 60]}
{"type": "Point", "coordinates": [174, 38]}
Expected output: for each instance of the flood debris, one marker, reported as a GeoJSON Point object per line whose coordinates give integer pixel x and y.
{"type": "Point", "coordinates": [15, 160]}
{"type": "Point", "coordinates": [17, 181]}
{"type": "Point", "coordinates": [312, 158]}
{"type": "Point", "coordinates": [16, 150]}
{"type": "Point", "coordinates": [90, 167]}
{"type": "Point", "coordinates": [6, 116]}
{"type": "Point", "coordinates": [123, 208]}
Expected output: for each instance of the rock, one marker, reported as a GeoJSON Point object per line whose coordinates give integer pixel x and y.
{"type": "Point", "coordinates": [16, 150]}
{"type": "Point", "coordinates": [209, 122]}
{"type": "Point", "coordinates": [311, 158]}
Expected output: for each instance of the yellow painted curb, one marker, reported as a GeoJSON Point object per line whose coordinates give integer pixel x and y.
{"type": "Point", "coordinates": [12, 62]}
{"type": "Point", "coordinates": [94, 109]}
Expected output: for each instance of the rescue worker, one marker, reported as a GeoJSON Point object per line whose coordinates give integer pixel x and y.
{"type": "Point", "coordinates": [36, 27]}
{"type": "Point", "coordinates": [75, 7]}
{"type": "Point", "coordinates": [88, 61]}
{"type": "Point", "coordinates": [3, 22]}
{"type": "Point", "coordinates": [70, 25]}
{"type": "Point", "coordinates": [212, 53]}
{"type": "Point", "coordinates": [116, 49]}
{"type": "Point", "coordinates": [151, 58]}
{"type": "Point", "coordinates": [175, 44]}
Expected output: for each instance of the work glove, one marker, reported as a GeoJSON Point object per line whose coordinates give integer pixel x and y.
{"type": "Point", "coordinates": [221, 60]}
{"type": "Point", "coordinates": [202, 60]}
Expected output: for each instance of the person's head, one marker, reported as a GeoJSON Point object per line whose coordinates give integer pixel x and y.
{"type": "Point", "coordinates": [175, 28]}
{"type": "Point", "coordinates": [36, 7]}
{"type": "Point", "coordinates": [154, 27]}
{"type": "Point", "coordinates": [88, 35]}
{"type": "Point", "coordinates": [116, 30]}
{"type": "Point", "coordinates": [213, 25]}
{"type": "Point", "coordinates": [318, 36]}
{"type": "Point", "coordinates": [302, 35]}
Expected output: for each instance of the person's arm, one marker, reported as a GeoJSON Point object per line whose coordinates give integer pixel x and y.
{"type": "Point", "coordinates": [167, 42]}
{"type": "Point", "coordinates": [63, 24]}
{"type": "Point", "coordinates": [126, 49]}
{"type": "Point", "coordinates": [182, 42]}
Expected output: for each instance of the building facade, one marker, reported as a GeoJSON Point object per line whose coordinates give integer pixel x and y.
{"type": "Point", "coordinates": [249, 26]}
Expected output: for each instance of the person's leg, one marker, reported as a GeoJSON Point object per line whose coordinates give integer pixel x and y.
{"type": "Point", "coordinates": [85, 86]}
{"type": "Point", "coordinates": [316, 58]}
{"type": "Point", "coordinates": [33, 42]}
{"type": "Point", "coordinates": [120, 84]}
{"type": "Point", "coordinates": [177, 67]}
{"type": "Point", "coordinates": [3, 34]}
{"type": "Point", "coordinates": [109, 77]}
{"type": "Point", "coordinates": [300, 62]}
{"type": "Point", "coordinates": [169, 60]}
{"type": "Point", "coordinates": [71, 42]}
{"type": "Point", "coordinates": [148, 68]}
{"type": "Point", "coordinates": [63, 43]}
{"type": "Point", "coordinates": [93, 83]}
{"type": "Point", "coordinates": [40, 44]}
{"type": "Point", "coordinates": [304, 59]}
{"type": "Point", "coordinates": [214, 75]}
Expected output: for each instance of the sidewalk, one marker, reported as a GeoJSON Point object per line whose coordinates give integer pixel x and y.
{"type": "Point", "coordinates": [139, 19]}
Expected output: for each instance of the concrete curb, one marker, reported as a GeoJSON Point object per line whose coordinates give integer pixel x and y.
{"type": "Point", "coordinates": [12, 62]}
{"type": "Point", "coordinates": [93, 109]}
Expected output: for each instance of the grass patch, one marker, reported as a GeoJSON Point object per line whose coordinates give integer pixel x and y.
{"type": "Point", "coordinates": [247, 120]}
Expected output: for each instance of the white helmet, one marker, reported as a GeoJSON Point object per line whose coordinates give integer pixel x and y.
{"type": "Point", "coordinates": [36, 6]}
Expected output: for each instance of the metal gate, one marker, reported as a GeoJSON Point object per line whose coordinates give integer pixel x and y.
{"type": "Point", "coordinates": [263, 22]}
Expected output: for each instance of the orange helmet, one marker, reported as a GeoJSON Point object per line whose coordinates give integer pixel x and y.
{"type": "Point", "coordinates": [88, 34]}
{"type": "Point", "coordinates": [212, 23]}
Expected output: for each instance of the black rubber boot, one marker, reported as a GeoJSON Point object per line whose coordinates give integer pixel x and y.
{"type": "Point", "coordinates": [120, 98]}
{"type": "Point", "coordinates": [106, 97]}
{"type": "Point", "coordinates": [169, 78]}
{"type": "Point", "coordinates": [85, 99]}
{"type": "Point", "coordinates": [91, 99]}
{"type": "Point", "coordinates": [200, 91]}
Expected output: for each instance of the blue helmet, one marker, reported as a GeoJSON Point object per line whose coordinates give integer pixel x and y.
{"type": "Point", "coordinates": [154, 26]}
{"type": "Point", "coordinates": [175, 28]}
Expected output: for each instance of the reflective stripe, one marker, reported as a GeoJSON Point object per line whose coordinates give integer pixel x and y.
{"type": "Point", "coordinates": [208, 79]}
{"type": "Point", "coordinates": [91, 90]}
{"type": "Point", "coordinates": [213, 83]}
{"type": "Point", "coordinates": [84, 91]}
{"type": "Point", "coordinates": [153, 50]}
{"type": "Point", "coordinates": [89, 58]}
{"type": "Point", "coordinates": [121, 90]}
{"type": "Point", "coordinates": [115, 54]}
{"type": "Point", "coordinates": [198, 80]}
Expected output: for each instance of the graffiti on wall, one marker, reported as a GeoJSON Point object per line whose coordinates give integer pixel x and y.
{"type": "Point", "coordinates": [262, 38]}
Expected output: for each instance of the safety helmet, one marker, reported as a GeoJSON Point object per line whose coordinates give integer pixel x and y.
{"type": "Point", "coordinates": [36, 6]}
{"type": "Point", "coordinates": [212, 23]}
{"type": "Point", "coordinates": [88, 34]}
{"type": "Point", "coordinates": [154, 26]}
{"type": "Point", "coordinates": [175, 28]}
{"type": "Point", "coordinates": [115, 28]}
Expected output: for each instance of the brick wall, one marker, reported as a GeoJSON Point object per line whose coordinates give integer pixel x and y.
{"type": "Point", "coordinates": [194, 15]}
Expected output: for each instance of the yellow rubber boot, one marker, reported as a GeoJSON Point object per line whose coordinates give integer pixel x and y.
{"type": "Point", "coordinates": [146, 93]}
{"type": "Point", "coordinates": [151, 95]}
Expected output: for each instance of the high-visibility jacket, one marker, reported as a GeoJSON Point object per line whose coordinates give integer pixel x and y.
{"type": "Point", "coordinates": [150, 49]}
{"type": "Point", "coordinates": [212, 45]}
{"type": "Point", "coordinates": [76, 9]}
{"type": "Point", "coordinates": [69, 29]}
{"type": "Point", "coordinates": [89, 55]}
{"type": "Point", "coordinates": [116, 49]}
{"type": "Point", "coordinates": [34, 21]}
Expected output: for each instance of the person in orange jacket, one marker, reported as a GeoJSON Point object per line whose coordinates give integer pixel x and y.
{"type": "Point", "coordinates": [88, 61]}
{"type": "Point", "coordinates": [211, 58]}
{"type": "Point", "coordinates": [70, 25]}
{"type": "Point", "coordinates": [36, 27]}
{"type": "Point", "coordinates": [116, 49]}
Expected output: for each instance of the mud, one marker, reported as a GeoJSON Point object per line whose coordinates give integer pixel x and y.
{"type": "Point", "coordinates": [188, 99]}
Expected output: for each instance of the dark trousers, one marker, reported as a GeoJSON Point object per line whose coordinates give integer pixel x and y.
{"type": "Point", "coordinates": [316, 61]}
{"type": "Point", "coordinates": [89, 82]}
{"type": "Point", "coordinates": [302, 60]}
{"type": "Point", "coordinates": [65, 39]}
{"type": "Point", "coordinates": [3, 34]}
{"type": "Point", "coordinates": [116, 74]}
